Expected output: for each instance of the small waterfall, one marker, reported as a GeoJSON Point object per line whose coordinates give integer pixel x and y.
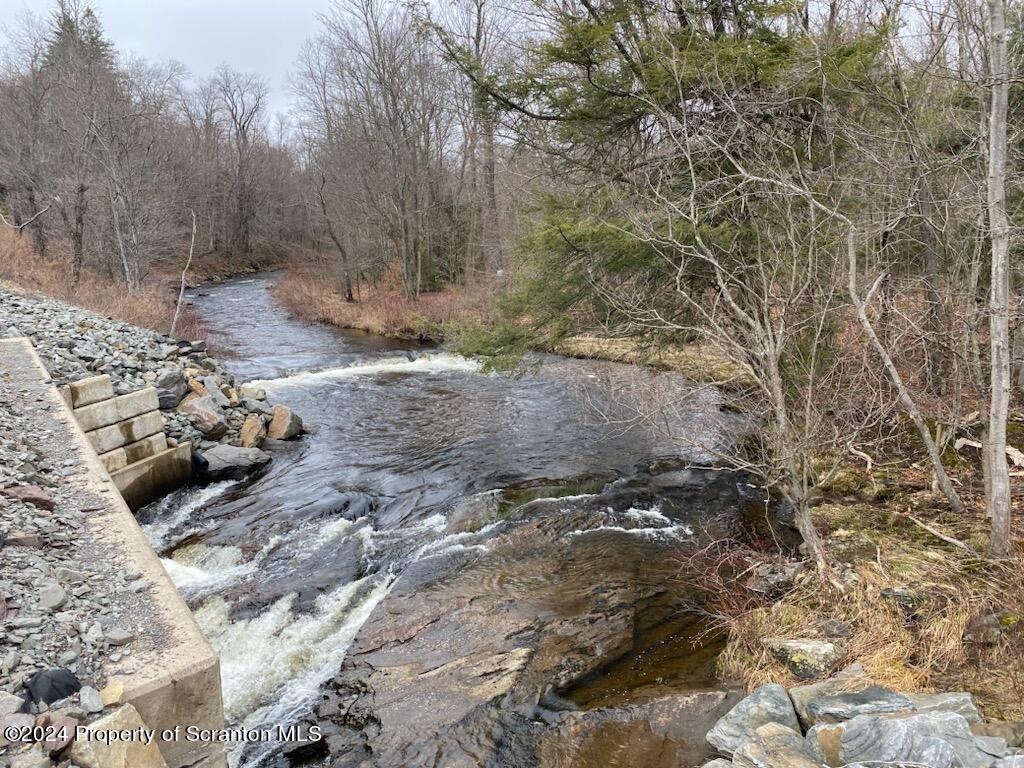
{"type": "Point", "coordinates": [422, 364]}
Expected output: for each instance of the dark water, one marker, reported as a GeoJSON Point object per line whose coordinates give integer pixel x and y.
{"type": "Point", "coordinates": [283, 569]}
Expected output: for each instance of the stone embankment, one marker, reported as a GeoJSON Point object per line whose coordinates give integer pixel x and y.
{"type": "Point", "coordinates": [225, 424]}
{"type": "Point", "coordinates": [93, 633]}
{"type": "Point", "coordinates": [848, 721]}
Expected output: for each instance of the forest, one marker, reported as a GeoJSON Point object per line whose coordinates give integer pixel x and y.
{"type": "Point", "coordinates": [822, 193]}
{"type": "Point", "coordinates": [810, 209]}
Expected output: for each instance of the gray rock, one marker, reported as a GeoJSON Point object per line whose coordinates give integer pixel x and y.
{"type": "Point", "coordinates": [959, 702]}
{"type": "Point", "coordinates": [773, 746]}
{"type": "Point", "coordinates": [51, 596]}
{"type": "Point", "coordinates": [90, 700]}
{"type": "Point", "coordinates": [213, 387]}
{"type": "Point", "coordinates": [850, 679]}
{"type": "Point", "coordinates": [33, 757]}
{"type": "Point", "coordinates": [768, 704]}
{"type": "Point", "coordinates": [229, 462]}
{"type": "Point", "coordinates": [1016, 761]}
{"type": "Point", "coordinates": [836, 707]}
{"type": "Point", "coordinates": [718, 762]}
{"type": "Point", "coordinates": [171, 387]}
{"type": "Point", "coordinates": [9, 703]}
{"type": "Point", "coordinates": [206, 415]}
{"type": "Point", "coordinates": [118, 636]}
{"type": "Point", "coordinates": [807, 659]}
{"type": "Point", "coordinates": [936, 739]}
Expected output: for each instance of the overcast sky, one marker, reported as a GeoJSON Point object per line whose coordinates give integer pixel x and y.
{"type": "Point", "coordinates": [261, 36]}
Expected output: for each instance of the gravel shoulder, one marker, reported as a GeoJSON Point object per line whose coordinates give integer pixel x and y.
{"type": "Point", "coordinates": [66, 601]}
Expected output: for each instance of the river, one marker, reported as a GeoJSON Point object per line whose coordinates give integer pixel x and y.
{"type": "Point", "coordinates": [283, 570]}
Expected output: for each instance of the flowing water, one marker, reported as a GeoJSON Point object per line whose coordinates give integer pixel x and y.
{"type": "Point", "coordinates": [282, 570]}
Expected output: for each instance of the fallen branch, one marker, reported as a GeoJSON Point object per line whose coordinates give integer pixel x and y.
{"type": "Point", "coordinates": [1014, 455]}
{"type": "Point", "coordinates": [938, 534]}
{"type": "Point", "coordinates": [19, 227]}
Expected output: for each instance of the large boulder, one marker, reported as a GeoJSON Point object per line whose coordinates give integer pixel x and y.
{"type": "Point", "coordinates": [773, 746]}
{"type": "Point", "coordinates": [253, 431]}
{"type": "Point", "coordinates": [206, 415]}
{"type": "Point", "coordinates": [873, 700]}
{"type": "Point", "coordinates": [285, 424]}
{"type": "Point", "coordinates": [935, 739]}
{"type": "Point", "coordinates": [959, 702]}
{"type": "Point", "coordinates": [768, 704]}
{"type": "Point", "coordinates": [115, 753]}
{"type": "Point", "coordinates": [807, 659]}
{"type": "Point", "coordinates": [171, 387]}
{"type": "Point", "coordinates": [229, 462]}
{"type": "Point", "coordinates": [852, 678]}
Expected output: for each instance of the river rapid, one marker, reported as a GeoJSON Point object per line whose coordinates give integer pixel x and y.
{"type": "Point", "coordinates": [283, 570]}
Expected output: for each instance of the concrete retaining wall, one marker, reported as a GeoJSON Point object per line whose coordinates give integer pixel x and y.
{"type": "Point", "coordinates": [127, 433]}
{"type": "Point", "coordinates": [178, 682]}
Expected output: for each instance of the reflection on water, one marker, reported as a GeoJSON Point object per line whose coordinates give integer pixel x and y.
{"type": "Point", "coordinates": [282, 569]}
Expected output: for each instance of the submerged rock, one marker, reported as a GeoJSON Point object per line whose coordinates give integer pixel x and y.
{"type": "Point", "coordinates": [483, 647]}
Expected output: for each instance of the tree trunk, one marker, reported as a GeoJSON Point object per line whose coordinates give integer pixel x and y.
{"type": "Point", "coordinates": [78, 235]}
{"type": "Point", "coordinates": [998, 501]}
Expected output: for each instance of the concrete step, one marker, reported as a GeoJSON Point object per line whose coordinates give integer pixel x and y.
{"type": "Point", "coordinates": [119, 458]}
{"type": "Point", "coordinates": [145, 480]}
{"type": "Point", "coordinates": [106, 439]}
{"type": "Point", "coordinates": [117, 409]}
{"type": "Point", "coordinates": [89, 391]}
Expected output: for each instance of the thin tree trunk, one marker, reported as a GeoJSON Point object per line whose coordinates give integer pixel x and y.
{"type": "Point", "coordinates": [998, 501]}
{"type": "Point", "coordinates": [941, 478]}
{"type": "Point", "coordinates": [184, 272]}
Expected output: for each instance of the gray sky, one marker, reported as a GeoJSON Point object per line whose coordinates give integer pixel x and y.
{"type": "Point", "coordinates": [261, 36]}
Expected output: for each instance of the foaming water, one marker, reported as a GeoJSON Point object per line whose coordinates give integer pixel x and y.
{"type": "Point", "coordinates": [283, 569]}
{"type": "Point", "coordinates": [175, 510]}
{"type": "Point", "coordinates": [422, 364]}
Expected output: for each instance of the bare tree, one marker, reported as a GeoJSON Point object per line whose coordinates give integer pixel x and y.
{"type": "Point", "coordinates": [999, 398]}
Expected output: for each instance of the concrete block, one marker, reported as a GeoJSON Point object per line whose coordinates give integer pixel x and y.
{"type": "Point", "coordinates": [91, 390]}
{"type": "Point", "coordinates": [117, 409]}
{"type": "Point", "coordinates": [119, 458]}
{"type": "Point", "coordinates": [146, 480]}
{"type": "Point", "coordinates": [106, 439]}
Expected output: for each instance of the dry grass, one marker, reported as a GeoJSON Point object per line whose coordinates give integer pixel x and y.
{"type": "Point", "coordinates": [384, 309]}
{"type": "Point", "coordinates": [907, 647]}
{"type": "Point", "coordinates": [23, 271]}
{"type": "Point", "coordinates": [697, 363]}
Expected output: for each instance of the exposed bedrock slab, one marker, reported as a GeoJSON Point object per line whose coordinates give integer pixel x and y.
{"type": "Point", "coordinates": [474, 656]}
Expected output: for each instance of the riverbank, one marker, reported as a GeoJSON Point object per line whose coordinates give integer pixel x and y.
{"type": "Point", "coordinates": [913, 610]}
{"type": "Point", "coordinates": [434, 316]}
{"type": "Point", "coordinates": [151, 306]}
{"type": "Point", "coordinates": [919, 607]}
{"type": "Point", "coordinates": [202, 404]}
